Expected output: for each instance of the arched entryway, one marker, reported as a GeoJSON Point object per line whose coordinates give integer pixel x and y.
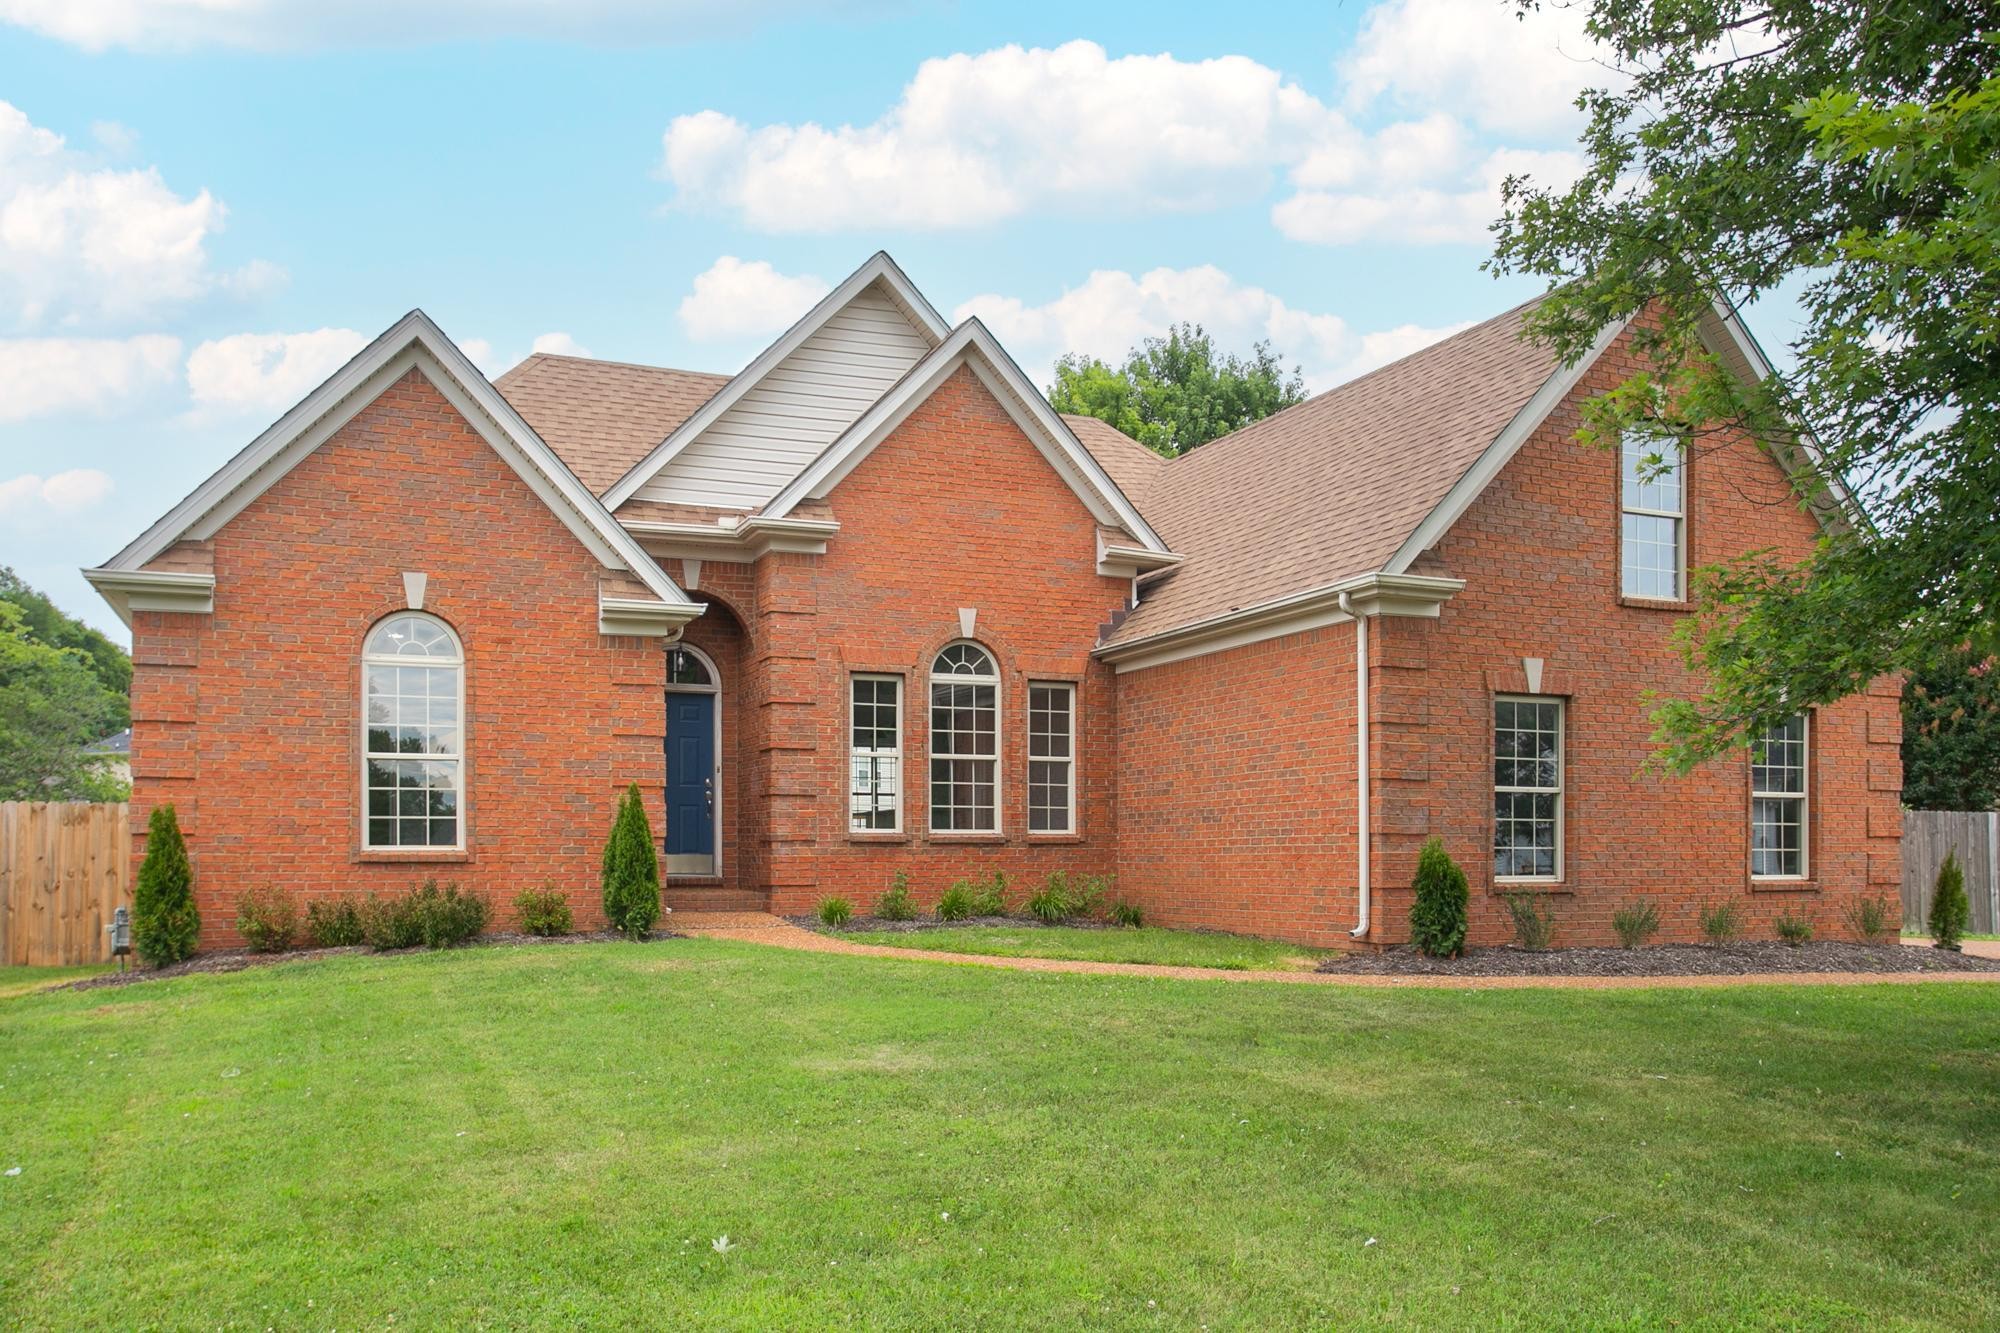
{"type": "Point", "coordinates": [694, 764]}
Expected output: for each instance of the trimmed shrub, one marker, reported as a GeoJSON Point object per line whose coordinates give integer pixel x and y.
{"type": "Point", "coordinates": [1950, 908]}
{"type": "Point", "coordinates": [267, 919]}
{"type": "Point", "coordinates": [896, 904]}
{"type": "Point", "coordinates": [1437, 918]}
{"type": "Point", "coordinates": [1794, 930]}
{"type": "Point", "coordinates": [1123, 913]}
{"type": "Point", "coordinates": [1636, 923]}
{"type": "Point", "coordinates": [956, 903]}
{"type": "Point", "coordinates": [1063, 897]}
{"type": "Point", "coordinates": [1534, 920]}
{"type": "Point", "coordinates": [428, 915]}
{"type": "Point", "coordinates": [989, 895]}
{"type": "Point", "coordinates": [1721, 923]}
{"type": "Point", "coordinates": [334, 925]}
{"type": "Point", "coordinates": [631, 870]}
{"type": "Point", "coordinates": [165, 922]}
{"type": "Point", "coordinates": [388, 923]}
{"type": "Point", "coordinates": [543, 911]}
{"type": "Point", "coordinates": [1874, 919]}
{"type": "Point", "coordinates": [835, 911]}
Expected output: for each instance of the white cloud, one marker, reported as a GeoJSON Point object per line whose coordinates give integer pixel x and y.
{"type": "Point", "coordinates": [266, 372]}
{"type": "Point", "coordinates": [1396, 203]}
{"type": "Point", "coordinates": [735, 299]}
{"type": "Point", "coordinates": [975, 138]}
{"type": "Point", "coordinates": [1504, 70]}
{"type": "Point", "coordinates": [39, 376]}
{"type": "Point", "coordinates": [1113, 311]}
{"type": "Point", "coordinates": [80, 243]}
{"type": "Point", "coordinates": [311, 24]}
{"type": "Point", "coordinates": [560, 344]}
{"type": "Point", "coordinates": [64, 493]}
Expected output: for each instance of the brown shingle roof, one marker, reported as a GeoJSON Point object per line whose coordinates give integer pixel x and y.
{"type": "Point", "coordinates": [601, 417]}
{"type": "Point", "coordinates": [1131, 464]}
{"type": "Point", "coordinates": [1331, 488]}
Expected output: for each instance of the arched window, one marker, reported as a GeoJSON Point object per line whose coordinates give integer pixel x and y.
{"type": "Point", "coordinates": [965, 740]}
{"type": "Point", "coordinates": [412, 749]}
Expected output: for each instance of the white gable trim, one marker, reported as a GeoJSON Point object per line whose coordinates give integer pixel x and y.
{"type": "Point", "coordinates": [412, 342]}
{"type": "Point", "coordinates": [970, 344]}
{"type": "Point", "coordinates": [879, 268]}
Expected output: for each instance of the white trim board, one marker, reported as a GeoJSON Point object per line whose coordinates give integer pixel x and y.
{"type": "Point", "coordinates": [878, 269]}
{"type": "Point", "coordinates": [973, 345]}
{"type": "Point", "coordinates": [412, 342]}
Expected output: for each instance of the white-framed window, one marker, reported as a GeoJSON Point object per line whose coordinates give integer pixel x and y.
{"type": "Point", "coordinates": [875, 754]}
{"type": "Point", "coordinates": [1653, 522]}
{"type": "Point", "coordinates": [1527, 788]}
{"type": "Point", "coordinates": [1778, 797]}
{"type": "Point", "coordinates": [965, 741]}
{"type": "Point", "coordinates": [1051, 757]}
{"type": "Point", "coordinates": [412, 735]}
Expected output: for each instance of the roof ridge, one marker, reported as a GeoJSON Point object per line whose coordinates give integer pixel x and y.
{"type": "Point", "coordinates": [628, 365]}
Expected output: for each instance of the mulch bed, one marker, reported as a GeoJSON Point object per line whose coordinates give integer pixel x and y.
{"type": "Point", "coordinates": [236, 960]}
{"type": "Point", "coordinates": [1663, 960]}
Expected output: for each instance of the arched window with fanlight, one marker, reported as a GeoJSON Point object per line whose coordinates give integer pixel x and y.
{"type": "Point", "coordinates": [412, 748]}
{"type": "Point", "coordinates": [965, 740]}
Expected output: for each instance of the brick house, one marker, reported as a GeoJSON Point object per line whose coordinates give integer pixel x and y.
{"type": "Point", "coordinates": [870, 605]}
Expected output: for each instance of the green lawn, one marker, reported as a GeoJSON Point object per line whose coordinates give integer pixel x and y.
{"type": "Point", "coordinates": [1149, 944]}
{"type": "Point", "coordinates": [556, 1136]}
{"type": "Point", "coordinates": [25, 980]}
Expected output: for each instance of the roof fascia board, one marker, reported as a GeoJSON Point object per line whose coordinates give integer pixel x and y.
{"type": "Point", "coordinates": [1499, 453]}
{"type": "Point", "coordinates": [639, 618]}
{"type": "Point", "coordinates": [743, 543]}
{"type": "Point", "coordinates": [879, 268]}
{"type": "Point", "coordinates": [179, 591]}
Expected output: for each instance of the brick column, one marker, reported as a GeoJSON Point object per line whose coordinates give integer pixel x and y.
{"type": "Point", "coordinates": [785, 669]}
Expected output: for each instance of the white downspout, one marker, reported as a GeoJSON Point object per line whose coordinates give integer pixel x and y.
{"type": "Point", "coordinates": [1360, 757]}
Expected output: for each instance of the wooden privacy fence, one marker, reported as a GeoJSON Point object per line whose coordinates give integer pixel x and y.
{"type": "Point", "coordinates": [64, 868]}
{"type": "Point", "coordinates": [1927, 836]}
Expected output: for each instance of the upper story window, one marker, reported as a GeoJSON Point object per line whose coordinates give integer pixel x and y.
{"type": "Point", "coordinates": [875, 754]}
{"type": "Point", "coordinates": [1653, 526]}
{"type": "Point", "coordinates": [1527, 789]}
{"type": "Point", "coordinates": [1778, 795]}
{"type": "Point", "coordinates": [413, 760]}
{"type": "Point", "coordinates": [965, 740]}
{"type": "Point", "coordinates": [1051, 757]}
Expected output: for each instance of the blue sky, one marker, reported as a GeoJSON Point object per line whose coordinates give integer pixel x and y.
{"type": "Point", "coordinates": [205, 207]}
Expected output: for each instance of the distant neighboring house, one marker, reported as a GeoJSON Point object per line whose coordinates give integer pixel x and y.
{"type": "Point", "coordinates": [113, 755]}
{"type": "Point", "coordinates": [870, 605]}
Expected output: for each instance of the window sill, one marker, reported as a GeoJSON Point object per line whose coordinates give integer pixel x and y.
{"type": "Point", "coordinates": [1046, 838]}
{"type": "Point", "coordinates": [882, 836]}
{"type": "Point", "coordinates": [1501, 887]}
{"type": "Point", "coordinates": [383, 856]}
{"type": "Point", "coordinates": [1681, 605]}
{"type": "Point", "coordinates": [992, 838]}
{"type": "Point", "coordinates": [1801, 885]}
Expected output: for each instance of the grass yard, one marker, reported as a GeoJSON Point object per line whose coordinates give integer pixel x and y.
{"type": "Point", "coordinates": [24, 980]}
{"type": "Point", "coordinates": [1147, 944]}
{"type": "Point", "coordinates": [560, 1135]}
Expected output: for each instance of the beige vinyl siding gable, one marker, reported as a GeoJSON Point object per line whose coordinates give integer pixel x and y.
{"type": "Point", "coordinates": [795, 411]}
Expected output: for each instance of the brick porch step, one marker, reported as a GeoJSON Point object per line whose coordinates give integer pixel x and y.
{"type": "Point", "coordinates": [711, 899]}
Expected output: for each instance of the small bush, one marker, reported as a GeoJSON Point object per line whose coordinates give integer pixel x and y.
{"type": "Point", "coordinates": [165, 921]}
{"type": "Point", "coordinates": [631, 870]}
{"type": "Point", "coordinates": [1123, 913]}
{"type": "Point", "coordinates": [428, 915]}
{"type": "Point", "coordinates": [268, 919]}
{"type": "Point", "coordinates": [956, 903]}
{"type": "Point", "coordinates": [1636, 923]}
{"type": "Point", "coordinates": [335, 925]}
{"type": "Point", "coordinates": [1794, 930]}
{"type": "Point", "coordinates": [1437, 918]}
{"type": "Point", "coordinates": [543, 911]}
{"type": "Point", "coordinates": [1721, 923]}
{"type": "Point", "coordinates": [896, 904]}
{"type": "Point", "coordinates": [989, 895]}
{"type": "Point", "coordinates": [1950, 908]}
{"type": "Point", "coordinates": [388, 923]}
{"type": "Point", "coordinates": [835, 911]}
{"type": "Point", "coordinates": [1874, 919]}
{"type": "Point", "coordinates": [1065, 898]}
{"type": "Point", "coordinates": [1534, 920]}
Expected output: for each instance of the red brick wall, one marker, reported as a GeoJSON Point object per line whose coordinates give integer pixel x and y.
{"type": "Point", "coordinates": [248, 718]}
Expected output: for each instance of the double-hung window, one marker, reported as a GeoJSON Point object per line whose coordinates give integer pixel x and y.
{"type": "Point", "coordinates": [412, 759]}
{"type": "Point", "coordinates": [875, 754]}
{"type": "Point", "coordinates": [965, 741]}
{"type": "Point", "coordinates": [1653, 524]}
{"type": "Point", "coordinates": [1778, 797]}
{"type": "Point", "coordinates": [1051, 757]}
{"type": "Point", "coordinates": [1527, 789]}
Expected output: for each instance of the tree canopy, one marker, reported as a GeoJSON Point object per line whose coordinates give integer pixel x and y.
{"type": "Point", "coordinates": [52, 706]}
{"type": "Point", "coordinates": [1848, 153]}
{"type": "Point", "coordinates": [1951, 734]}
{"type": "Point", "coordinates": [46, 623]}
{"type": "Point", "coordinates": [1176, 393]}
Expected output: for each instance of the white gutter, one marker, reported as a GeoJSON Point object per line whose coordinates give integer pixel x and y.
{"type": "Point", "coordinates": [1360, 758]}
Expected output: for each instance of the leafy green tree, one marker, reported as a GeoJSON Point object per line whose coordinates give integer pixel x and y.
{"type": "Point", "coordinates": [1848, 153]}
{"type": "Point", "coordinates": [49, 624]}
{"type": "Point", "coordinates": [51, 708]}
{"type": "Point", "coordinates": [631, 870]}
{"type": "Point", "coordinates": [1951, 734]}
{"type": "Point", "coordinates": [1176, 393]}
{"type": "Point", "coordinates": [165, 922]}
{"type": "Point", "coordinates": [1950, 908]}
{"type": "Point", "coordinates": [1437, 918]}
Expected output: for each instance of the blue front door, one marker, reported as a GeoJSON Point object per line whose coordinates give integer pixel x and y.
{"type": "Point", "coordinates": [691, 790]}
